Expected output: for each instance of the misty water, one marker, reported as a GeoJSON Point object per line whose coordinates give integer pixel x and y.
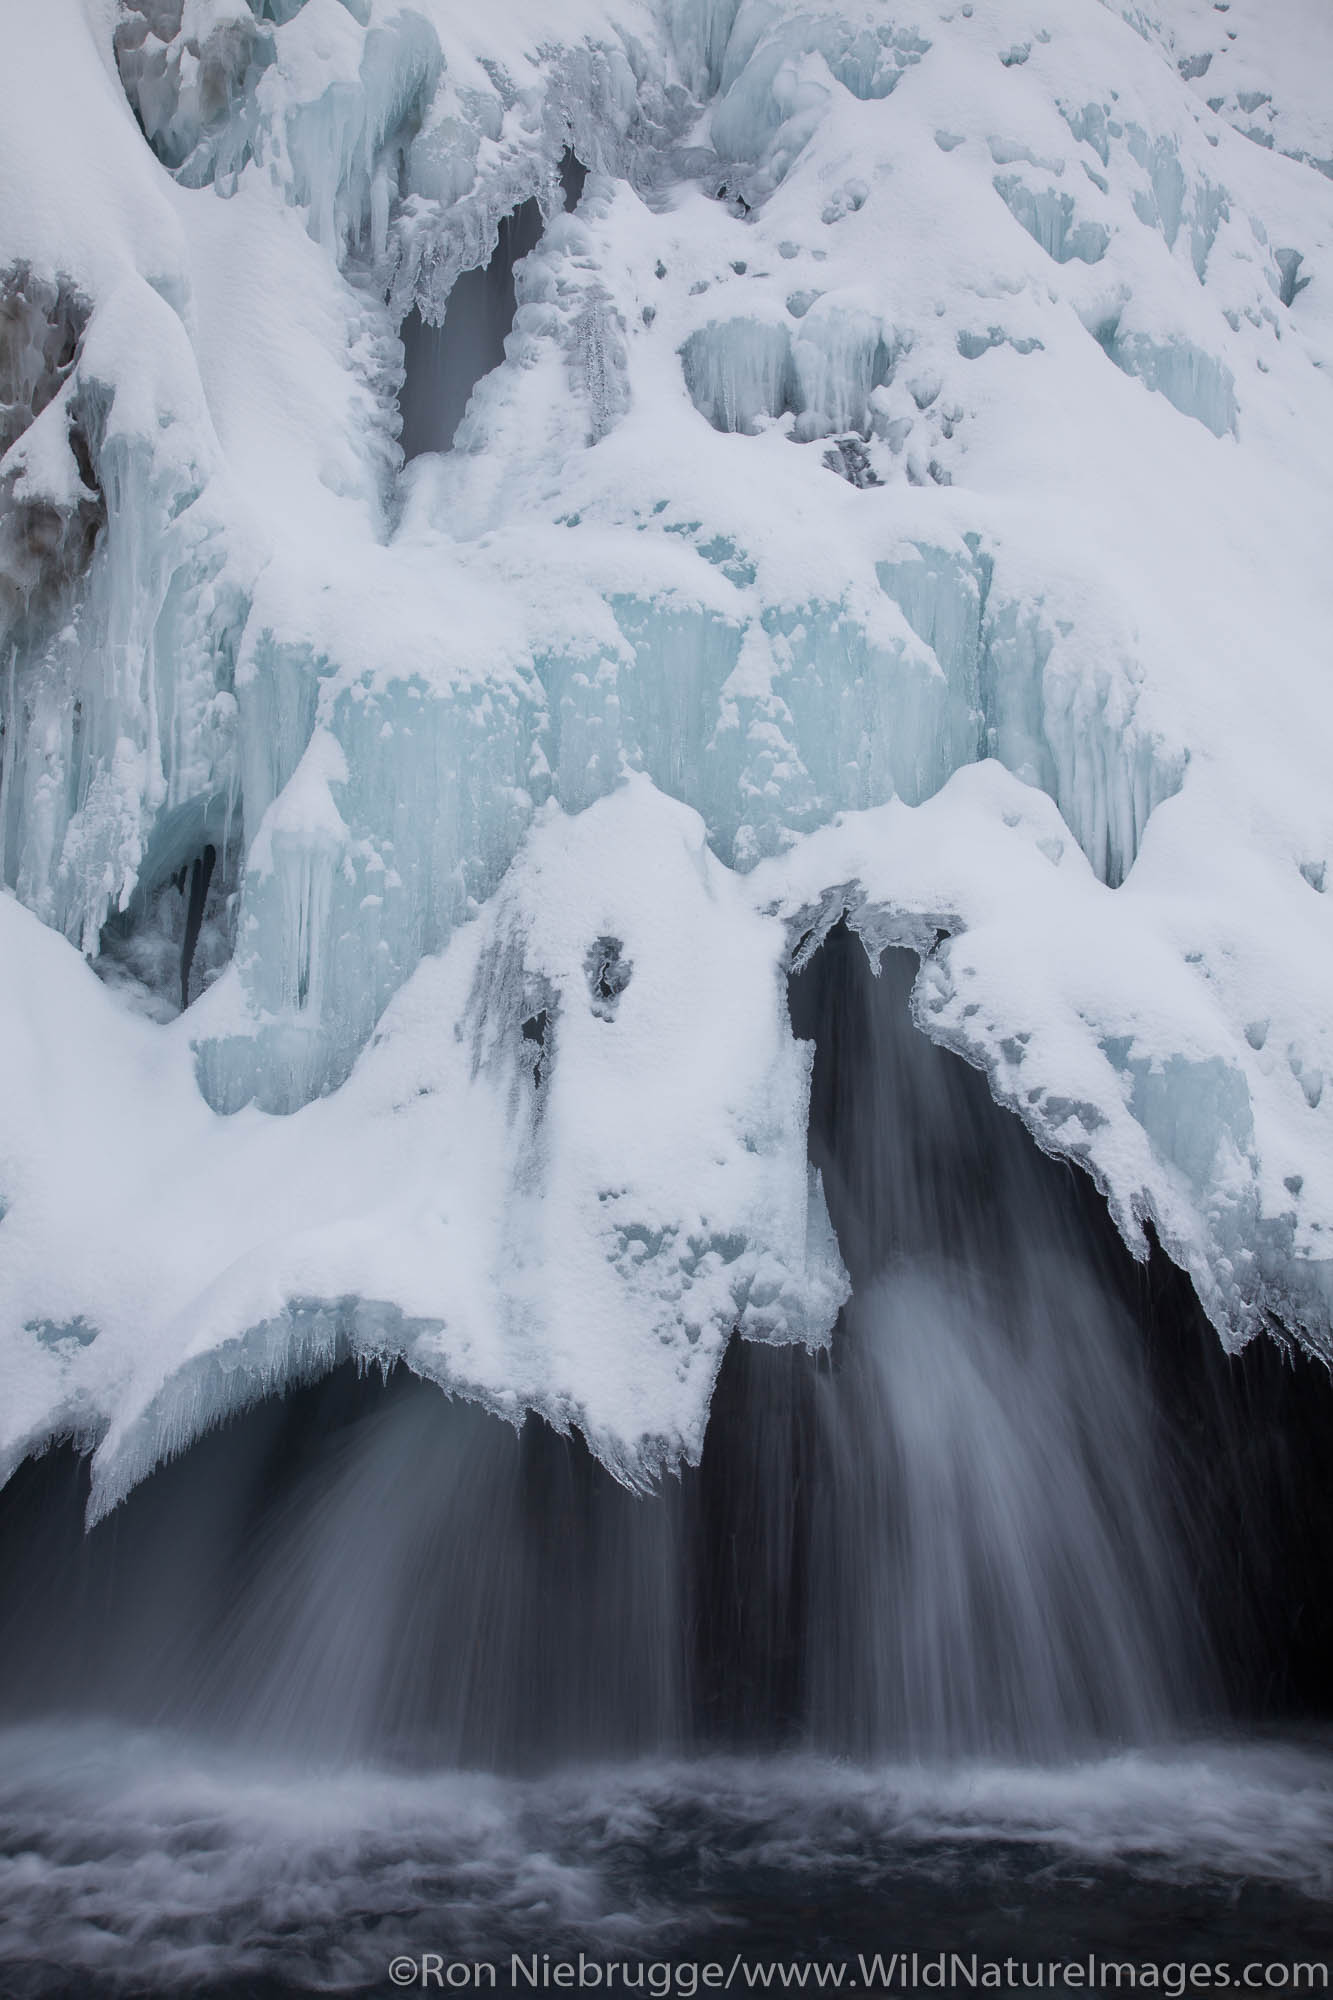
{"type": "Point", "coordinates": [995, 1628]}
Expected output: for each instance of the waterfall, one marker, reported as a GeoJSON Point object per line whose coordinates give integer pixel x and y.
{"type": "Point", "coordinates": [933, 1626]}
{"type": "Point", "coordinates": [441, 1587]}
{"type": "Point", "coordinates": [956, 1534]}
{"type": "Point", "coordinates": [997, 1560]}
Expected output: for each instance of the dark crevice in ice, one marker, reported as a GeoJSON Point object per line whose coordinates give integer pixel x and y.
{"type": "Point", "coordinates": [443, 364]}
{"type": "Point", "coordinates": [534, 1031]}
{"type": "Point", "coordinates": [201, 874]}
{"type": "Point", "coordinates": [1290, 282]}
{"type": "Point", "coordinates": [178, 930]}
{"type": "Point", "coordinates": [608, 973]}
{"type": "Point", "coordinates": [573, 178]}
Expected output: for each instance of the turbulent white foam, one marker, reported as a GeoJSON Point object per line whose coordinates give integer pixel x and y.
{"type": "Point", "coordinates": [319, 1880]}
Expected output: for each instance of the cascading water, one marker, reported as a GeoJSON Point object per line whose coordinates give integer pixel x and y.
{"type": "Point", "coordinates": [997, 1562]}
{"type": "Point", "coordinates": [439, 1587]}
{"type": "Point", "coordinates": [956, 1549]}
{"type": "Point", "coordinates": [775, 541]}
{"type": "Point", "coordinates": [956, 1536]}
{"type": "Point", "coordinates": [993, 1575]}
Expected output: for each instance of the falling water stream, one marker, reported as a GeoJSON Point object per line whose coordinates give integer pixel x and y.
{"type": "Point", "coordinates": [998, 1562]}
{"type": "Point", "coordinates": [943, 1644]}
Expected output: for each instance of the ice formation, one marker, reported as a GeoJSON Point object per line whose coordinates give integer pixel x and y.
{"type": "Point", "coordinates": [903, 493]}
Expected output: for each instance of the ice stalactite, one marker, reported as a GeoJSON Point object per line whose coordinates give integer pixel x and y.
{"type": "Point", "coordinates": [1195, 383]}
{"type": "Point", "coordinates": [824, 373]}
{"type": "Point", "coordinates": [1048, 218]}
{"type": "Point", "coordinates": [119, 707]}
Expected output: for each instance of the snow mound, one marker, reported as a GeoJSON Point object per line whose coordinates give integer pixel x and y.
{"type": "Point", "coordinates": [569, 1163]}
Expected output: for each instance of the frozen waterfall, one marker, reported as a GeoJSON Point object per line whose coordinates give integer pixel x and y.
{"type": "Point", "coordinates": [1011, 1548]}
{"type": "Point", "coordinates": [983, 1526]}
{"type": "Point", "coordinates": [881, 459]}
{"type": "Point", "coordinates": [666, 1164]}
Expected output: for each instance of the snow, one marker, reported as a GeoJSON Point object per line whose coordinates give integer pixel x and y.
{"type": "Point", "coordinates": [904, 491]}
{"type": "Point", "coordinates": [544, 1198]}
